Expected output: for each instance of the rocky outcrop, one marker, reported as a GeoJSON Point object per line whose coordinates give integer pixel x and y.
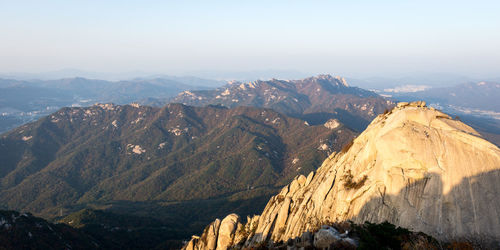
{"type": "Point", "coordinates": [227, 231]}
{"type": "Point", "coordinates": [326, 237]}
{"type": "Point", "coordinates": [414, 167]}
{"type": "Point", "coordinates": [219, 234]}
{"type": "Point", "coordinates": [332, 124]}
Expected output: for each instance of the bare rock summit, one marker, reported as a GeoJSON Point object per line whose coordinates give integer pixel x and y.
{"type": "Point", "coordinates": [414, 167]}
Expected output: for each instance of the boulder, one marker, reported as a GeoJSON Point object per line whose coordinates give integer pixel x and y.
{"type": "Point", "coordinates": [301, 180]}
{"type": "Point", "coordinates": [326, 237]}
{"type": "Point", "coordinates": [305, 240]}
{"type": "Point", "coordinates": [402, 104]}
{"type": "Point", "coordinates": [192, 244]}
{"type": "Point", "coordinates": [332, 124]}
{"type": "Point", "coordinates": [417, 104]}
{"type": "Point", "coordinates": [310, 176]}
{"type": "Point", "coordinates": [209, 236]}
{"type": "Point", "coordinates": [351, 242]}
{"type": "Point", "coordinates": [227, 230]}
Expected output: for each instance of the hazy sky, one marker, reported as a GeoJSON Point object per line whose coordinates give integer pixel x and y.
{"type": "Point", "coordinates": [174, 37]}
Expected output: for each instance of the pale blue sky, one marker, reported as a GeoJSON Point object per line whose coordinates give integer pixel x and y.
{"type": "Point", "coordinates": [174, 37]}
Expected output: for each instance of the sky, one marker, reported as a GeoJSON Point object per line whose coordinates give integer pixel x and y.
{"type": "Point", "coordinates": [368, 38]}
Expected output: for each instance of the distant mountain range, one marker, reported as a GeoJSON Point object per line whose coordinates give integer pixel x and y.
{"type": "Point", "coordinates": [112, 76]}
{"type": "Point", "coordinates": [466, 97]}
{"type": "Point", "coordinates": [416, 78]}
{"type": "Point", "coordinates": [23, 101]}
{"type": "Point", "coordinates": [315, 99]}
{"type": "Point", "coordinates": [138, 159]}
{"type": "Point", "coordinates": [476, 103]}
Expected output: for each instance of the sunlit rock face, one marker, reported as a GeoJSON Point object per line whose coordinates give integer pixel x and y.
{"type": "Point", "coordinates": [413, 166]}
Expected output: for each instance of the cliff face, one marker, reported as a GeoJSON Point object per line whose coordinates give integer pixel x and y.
{"type": "Point", "coordinates": [414, 167]}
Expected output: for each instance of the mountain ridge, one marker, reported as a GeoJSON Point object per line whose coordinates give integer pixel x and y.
{"type": "Point", "coordinates": [22, 101]}
{"type": "Point", "coordinates": [134, 157]}
{"type": "Point", "coordinates": [315, 99]}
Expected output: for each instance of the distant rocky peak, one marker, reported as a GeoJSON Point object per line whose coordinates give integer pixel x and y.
{"type": "Point", "coordinates": [233, 82]}
{"type": "Point", "coordinates": [324, 77]}
{"type": "Point", "coordinates": [106, 106]}
{"type": "Point", "coordinates": [342, 80]}
{"type": "Point", "coordinates": [333, 80]}
{"type": "Point", "coordinates": [245, 86]}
